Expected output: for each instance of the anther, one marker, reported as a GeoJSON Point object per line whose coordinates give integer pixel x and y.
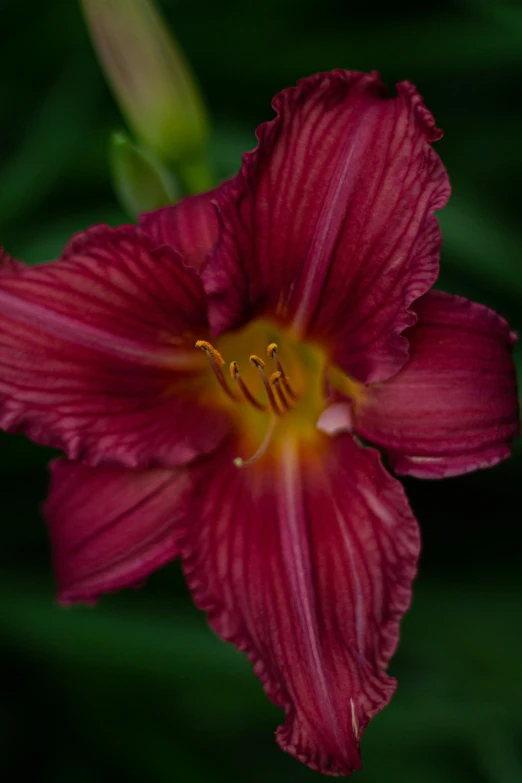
{"type": "Point", "coordinates": [259, 363]}
{"type": "Point", "coordinates": [234, 374]}
{"type": "Point", "coordinates": [275, 379]}
{"type": "Point", "coordinates": [278, 382]}
{"type": "Point", "coordinates": [272, 353]}
{"type": "Point", "coordinates": [209, 349]}
{"type": "Point", "coordinates": [216, 362]}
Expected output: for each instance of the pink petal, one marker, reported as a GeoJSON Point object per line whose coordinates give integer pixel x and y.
{"type": "Point", "coordinates": [306, 565]}
{"type": "Point", "coordinates": [112, 527]}
{"type": "Point", "coordinates": [330, 224]}
{"type": "Point", "coordinates": [453, 407]}
{"type": "Point", "coordinates": [97, 353]}
{"type": "Point", "coordinates": [6, 262]}
{"type": "Point", "coordinates": [191, 227]}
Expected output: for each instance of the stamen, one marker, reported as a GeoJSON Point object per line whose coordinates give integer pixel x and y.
{"type": "Point", "coordinates": [209, 349]}
{"type": "Point", "coordinates": [274, 380]}
{"type": "Point", "coordinates": [278, 380]}
{"type": "Point", "coordinates": [234, 374]}
{"type": "Point", "coordinates": [216, 362]}
{"type": "Point", "coordinates": [259, 363]}
{"type": "Point", "coordinates": [272, 352]}
{"type": "Point", "coordinates": [241, 463]}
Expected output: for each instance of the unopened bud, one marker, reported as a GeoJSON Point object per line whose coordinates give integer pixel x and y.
{"type": "Point", "coordinates": [141, 182]}
{"type": "Point", "coordinates": [152, 83]}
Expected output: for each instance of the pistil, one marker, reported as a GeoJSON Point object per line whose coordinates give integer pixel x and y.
{"type": "Point", "coordinates": [239, 462]}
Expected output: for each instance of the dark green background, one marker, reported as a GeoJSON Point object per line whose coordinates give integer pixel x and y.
{"type": "Point", "coordinates": [139, 689]}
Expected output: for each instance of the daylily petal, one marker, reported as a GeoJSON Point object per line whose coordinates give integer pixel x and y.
{"type": "Point", "coordinates": [453, 407]}
{"type": "Point", "coordinates": [191, 226]}
{"type": "Point", "coordinates": [111, 527]}
{"type": "Point", "coordinates": [330, 224]}
{"type": "Point", "coordinates": [7, 262]}
{"type": "Point", "coordinates": [97, 352]}
{"type": "Point", "coordinates": [306, 563]}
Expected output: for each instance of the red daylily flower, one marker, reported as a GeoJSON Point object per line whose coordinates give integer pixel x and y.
{"type": "Point", "coordinates": [310, 272]}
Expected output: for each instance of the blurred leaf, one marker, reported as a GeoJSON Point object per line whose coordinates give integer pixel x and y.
{"type": "Point", "coordinates": [458, 664]}
{"type": "Point", "coordinates": [445, 42]}
{"type": "Point", "coordinates": [48, 239]}
{"type": "Point", "coordinates": [484, 245]}
{"type": "Point", "coordinates": [499, 758]}
{"type": "Point", "coordinates": [103, 636]}
{"type": "Point", "coordinates": [506, 12]}
{"type": "Point", "coordinates": [58, 134]}
{"type": "Point", "coordinates": [229, 141]}
{"type": "Point", "coordinates": [153, 84]}
{"type": "Point", "coordinates": [140, 181]}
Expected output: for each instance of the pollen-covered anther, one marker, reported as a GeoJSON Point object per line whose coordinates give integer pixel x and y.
{"type": "Point", "coordinates": [209, 349]}
{"type": "Point", "coordinates": [216, 362]}
{"type": "Point", "coordinates": [271, 351]}
{"type": "Point", "coordinates": [234, 370]}
{"type": "Point", "coordinates": [257, 361]}
{"type": "Point", "coordinates": [278, 403]}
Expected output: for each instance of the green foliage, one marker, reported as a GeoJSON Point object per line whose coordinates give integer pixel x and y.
{"type": "Point", "coordinates": [149, 684]}
{"type": "Point", "coordinates": [140, 181]}
{"type": "Point", "coordinates": [153, 84]}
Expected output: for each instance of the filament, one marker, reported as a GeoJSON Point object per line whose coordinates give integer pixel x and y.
{"type": "Point", "coordinates": [234, 374]}
{"type": "Point", "coordinates": [275, 379]}
{"type": "Point", "coordinates": [279, 393]}
{"type": "Point", "coordinates": [272, 353]}
{"type": "Point", "coordinates": [216, 362]}
{"type": "Point", "coordinates": [259, 363]}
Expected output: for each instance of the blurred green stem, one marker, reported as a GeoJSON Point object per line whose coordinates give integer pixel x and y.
{"type": "Point", "coordinates": [195, 177]}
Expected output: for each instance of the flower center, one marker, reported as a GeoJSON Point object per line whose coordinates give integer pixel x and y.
{"type": "Point", "coordinates": [272, 397]}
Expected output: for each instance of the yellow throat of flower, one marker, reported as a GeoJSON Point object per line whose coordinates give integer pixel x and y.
{"type": "Point", "coordinates": [273, 388]}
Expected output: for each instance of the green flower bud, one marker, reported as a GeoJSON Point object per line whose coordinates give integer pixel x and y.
{"type": "Point", "coordinates": [141, 182]}
{"type": "Point", "coordinates": [152, 83]}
